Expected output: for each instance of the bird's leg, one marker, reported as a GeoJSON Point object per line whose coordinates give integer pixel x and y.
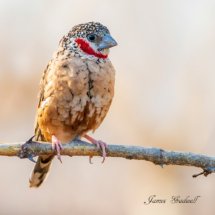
{"type": "Point", "coordinates": [100, 145]}
{"type": "Point", "coordinates": [56, 145]}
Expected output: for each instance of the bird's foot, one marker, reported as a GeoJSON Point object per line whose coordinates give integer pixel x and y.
{"type": "Point", "coordinates": [57, 146]}
{"type": "Point", "coordinates": [99, 144]}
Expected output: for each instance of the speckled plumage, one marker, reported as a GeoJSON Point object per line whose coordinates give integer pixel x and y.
{"type": "Point", "coordinates": [76, 95]}
{"type": "Point", "coordinates": [76, 91]}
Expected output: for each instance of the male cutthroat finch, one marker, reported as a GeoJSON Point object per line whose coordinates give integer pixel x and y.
{"type": "Point", "coordinates": [76, 91]}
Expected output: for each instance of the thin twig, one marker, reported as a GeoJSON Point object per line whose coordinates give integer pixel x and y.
{"type": "Point", "coordinates": [81, 148]}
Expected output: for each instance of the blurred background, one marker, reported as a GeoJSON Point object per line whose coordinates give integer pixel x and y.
{"type": "Point", "coordinates": [165, 97]}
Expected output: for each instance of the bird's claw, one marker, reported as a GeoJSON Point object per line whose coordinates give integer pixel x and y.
{"type": "Point", "coordinates": [57, 146]}
{"type": "Point", "coordinates": [100, 145]}
{"type": "Point", "coordinates": [90, 159]}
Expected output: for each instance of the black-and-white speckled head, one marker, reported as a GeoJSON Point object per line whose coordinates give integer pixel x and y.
{"type": "Point", "coordinates": [83, 30]}
{"type": "Point", "coordinates": [90, 40]}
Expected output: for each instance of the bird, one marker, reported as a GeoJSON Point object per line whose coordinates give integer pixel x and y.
{"type": "Point", "coordinates": [76, 91]}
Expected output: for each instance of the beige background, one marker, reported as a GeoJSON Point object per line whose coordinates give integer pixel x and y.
{"type": "Point", "coordinates": [165, 97]}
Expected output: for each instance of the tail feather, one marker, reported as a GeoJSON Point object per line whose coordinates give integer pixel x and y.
{"type": "Point", "coordinates": [40, 170]}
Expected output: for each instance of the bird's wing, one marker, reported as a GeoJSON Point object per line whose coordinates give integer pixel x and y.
{"type": "Point", "coordinates": [37, 131]}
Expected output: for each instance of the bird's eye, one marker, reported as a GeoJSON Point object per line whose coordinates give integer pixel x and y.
{"type": "Point", "coordinates": [91, 37]}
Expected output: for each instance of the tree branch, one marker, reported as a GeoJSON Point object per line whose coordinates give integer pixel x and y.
{"type": "Point", "coordinates": [81, 148]}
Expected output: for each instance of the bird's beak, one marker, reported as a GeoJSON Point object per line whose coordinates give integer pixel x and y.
{"type": "Point", "coordinates": [107, 42]}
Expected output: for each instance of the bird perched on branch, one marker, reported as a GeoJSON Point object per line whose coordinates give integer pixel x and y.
{"type": "Point", "coordinates": [76, 91]}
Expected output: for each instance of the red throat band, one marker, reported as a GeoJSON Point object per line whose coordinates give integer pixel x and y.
{"type": "Point", "coordinates": [85, 47]}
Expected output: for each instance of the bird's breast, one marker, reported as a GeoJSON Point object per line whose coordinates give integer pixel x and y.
{"type": "Point", "coordinates": [78, 95]}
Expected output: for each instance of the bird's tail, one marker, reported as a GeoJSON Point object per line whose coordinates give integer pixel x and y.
{"type": "Point", "coordinates": [40, 170]}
